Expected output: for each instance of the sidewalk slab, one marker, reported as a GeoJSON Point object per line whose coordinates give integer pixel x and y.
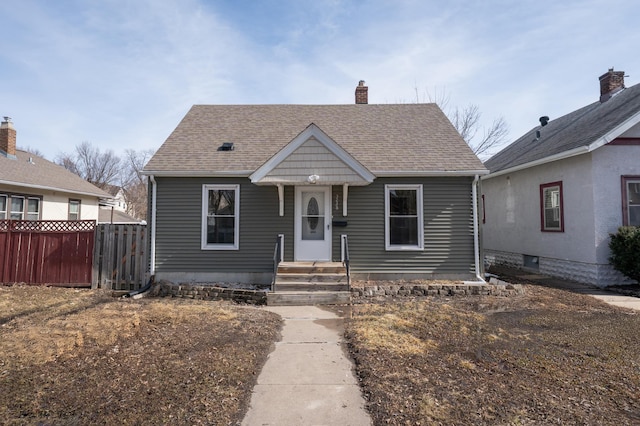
{"type": "Point", "coordinates": [308, 379]}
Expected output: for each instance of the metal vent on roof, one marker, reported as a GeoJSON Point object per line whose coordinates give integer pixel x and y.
{"type": "Point", "coordinates": [226, 146]}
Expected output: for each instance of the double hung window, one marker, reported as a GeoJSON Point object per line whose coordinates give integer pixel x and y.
{"type": "Point", "coordinates": [631, 200]}
{"type": "Point", "coordinates": [19, 207]}
{"type": "Point", "coordinates": [220, 217]}
{"type": "Point", "coordinates": [74, 209]}
{"type": "Point", "coordinates": [551, 207]}
{"type": "Point", "coordinates": [403, 217]}
{"type": "Point", "coordinates": [3, 207]}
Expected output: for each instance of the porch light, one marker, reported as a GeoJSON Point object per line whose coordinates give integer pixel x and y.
{"type": "Point", "coordinates": [312, 179]}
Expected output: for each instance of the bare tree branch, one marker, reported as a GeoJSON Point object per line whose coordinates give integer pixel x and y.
{"type": "Point", "coordinates": [467, 122]}
{"type": "Point", "coordinates": [100, 168]}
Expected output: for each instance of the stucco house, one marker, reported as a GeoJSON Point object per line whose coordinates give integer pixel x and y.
{"type": "Point", "coordinates": [554, 195]}
{"type": "Point", "coordinates": [396, 182]}
{"type": "Point", "coordinates": [32, 188]}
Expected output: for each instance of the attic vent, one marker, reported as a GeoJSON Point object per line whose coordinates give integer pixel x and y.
{"type": "Point", "coordinates": [227, 146]}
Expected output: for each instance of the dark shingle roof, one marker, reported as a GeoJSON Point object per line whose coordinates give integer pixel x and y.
{"type": "Point", "coordinates": [405, 137]}
{"type": "Point", "coordinates": [577, 129]}
{"type": "Point", "coordinates": [43, 174]}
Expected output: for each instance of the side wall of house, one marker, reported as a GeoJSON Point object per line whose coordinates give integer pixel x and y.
{"type": "Point", "coordinates": [55, 204]}
{"type": "Point", "coordinates": [513, 225]}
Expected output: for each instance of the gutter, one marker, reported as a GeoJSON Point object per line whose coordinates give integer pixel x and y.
{"type": "Point", "coordinates": [476, 230]}
{"type": "Point", "coordinates": [152, 253]}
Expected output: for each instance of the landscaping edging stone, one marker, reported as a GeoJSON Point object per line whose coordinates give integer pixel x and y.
{"type": "Point", "coordinates": [359, 292]}
{"type": "Point", "coordinates": [209, 292]}
{"type": "Point", "coordinates": [495, 287]}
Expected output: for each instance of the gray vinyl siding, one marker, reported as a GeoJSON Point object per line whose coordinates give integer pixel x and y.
{"type": "Point", "coordinates": [448, 228]}
{"type": "Point", "coordinates": [179, 220]}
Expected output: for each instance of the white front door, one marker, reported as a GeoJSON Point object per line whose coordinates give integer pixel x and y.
{"type": "Point", "coordinates": [313, 223]}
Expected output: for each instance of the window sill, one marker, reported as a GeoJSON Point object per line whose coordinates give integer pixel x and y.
{"type": "Point", "coordinates": [220, 247]}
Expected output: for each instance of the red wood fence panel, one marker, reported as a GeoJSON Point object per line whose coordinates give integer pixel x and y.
{"type": "Point", "coordinates": [47, 252]}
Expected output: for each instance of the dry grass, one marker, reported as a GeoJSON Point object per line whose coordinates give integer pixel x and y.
{"type": "Point", "coordinates": [80, 357]}
{"type": "Point", "coordinates": [549, 357]}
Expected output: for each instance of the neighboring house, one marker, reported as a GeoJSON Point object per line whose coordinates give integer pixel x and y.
{"type": "Point", "coordinates": [113, 215]}
{"type": "Point", "coordinates": [118, 201]}
{"type": "Point", "coordinates": [554, 195]}
{"type": "Point", "coordinates": [32, 188]}
{"type": "Point", "coordinates": [397, 180]}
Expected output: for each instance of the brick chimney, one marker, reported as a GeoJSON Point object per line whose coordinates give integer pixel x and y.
{"type": "Point", "coordinates": [7, 138]}
{"type": "Point", "coordinates": [610, 83]}
{"type": "Point", "coordinates": [362, 93]}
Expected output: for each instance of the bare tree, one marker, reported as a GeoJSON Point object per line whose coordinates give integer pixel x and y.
{"type": "Point", "coordinates": [467, 121]}
{"type": "Point", "coordinates": [101, 168]}
{"type": "Point", "coordinates": [134, 184]}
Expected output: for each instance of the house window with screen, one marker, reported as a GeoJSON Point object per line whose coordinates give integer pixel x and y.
{"type": "Point", "coordinates": [403, 217]}
{"type": "Point", "coordinates": [551, 206]}
{"type": "Point", "coordinates": [33, 208]}
{"type": "Point", "coordinates": [3, 207]}
{"type": "Point", "coordinates": [220, 217]}
{"type": "Point", "coordinates": [17, 208]}
{"type": "Point", "coordinates": [74, 209]}
{"type": "Point", "coordinates": [631, 200]}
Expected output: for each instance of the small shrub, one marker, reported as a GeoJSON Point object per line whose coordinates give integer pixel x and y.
{"type": "Point", "coordinates": [625, 251]}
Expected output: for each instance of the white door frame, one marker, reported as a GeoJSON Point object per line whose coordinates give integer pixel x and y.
{"type": "Point", "coordinates": [312, 250]}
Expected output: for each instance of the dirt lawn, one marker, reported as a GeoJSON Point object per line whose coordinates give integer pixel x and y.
{"type": "Point", "coordinates": [76, 357]}
{"type": "Point", "coordinates": [547, 357]}
{"type": "Point", "coordinates": [79, 357]}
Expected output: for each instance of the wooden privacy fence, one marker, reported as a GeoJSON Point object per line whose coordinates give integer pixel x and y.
{"type": "Point", "coordinates": [47, 252]}
{"type": "Point", "coordinates": [120, 257]}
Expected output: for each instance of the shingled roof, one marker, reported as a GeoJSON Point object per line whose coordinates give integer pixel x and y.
{"type": "Point", "coordinates": [386, 139]}
{"type": "Point", "coordinates": [579, 131]}
{"type": "Point", "coordinates": [31, 171]}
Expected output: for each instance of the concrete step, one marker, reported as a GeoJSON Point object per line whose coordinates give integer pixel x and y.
{"type": "Point", "coordinates": [311, 277]}
{"type": "Point", "coordinates": [311, 268]}
{"type": "Point", "coordinates": [310, 286]}
{"type": "Point", "coordinates": [308, 298]}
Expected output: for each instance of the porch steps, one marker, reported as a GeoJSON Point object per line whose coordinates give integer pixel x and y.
{"type": "Point", "coordinates": [310, 283]}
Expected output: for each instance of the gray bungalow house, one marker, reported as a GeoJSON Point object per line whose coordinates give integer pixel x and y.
{"type": "Point", "coordinates": [394, 184]}
{"type": "Point", "coordinates": [555, 194]}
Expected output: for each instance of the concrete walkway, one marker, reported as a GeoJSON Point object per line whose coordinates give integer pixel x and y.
{"type": "Point", "coordinates": [609, 297]}
{"type": "Point", "coordinates": [308, 379]}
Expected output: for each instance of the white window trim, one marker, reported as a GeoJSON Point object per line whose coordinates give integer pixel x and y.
{"type": "Point", "coordinates": [205, 204]}
{"type": "Point", "coordinates": [394, 247]}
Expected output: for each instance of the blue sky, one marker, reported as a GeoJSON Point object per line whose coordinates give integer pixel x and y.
{"type": "Point", "coordinates": [122, 73]}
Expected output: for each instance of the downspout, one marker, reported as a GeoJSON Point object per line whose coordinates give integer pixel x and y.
{"type": "Point", "coordinates": [476, 231]}
{"type": "Point", "coordinates": [152, 251]}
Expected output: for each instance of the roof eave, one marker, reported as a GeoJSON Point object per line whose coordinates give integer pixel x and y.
{"type": "Point", "coordinates": [52, 188]}
{"type": "Point", "coordinates": [561, 156]}
{"type": "Point", "coordinates": [425, 173]}
{"type": "Point", "coordinates": [616, 132]}
{"type": "Point", "coordinates": [197, 173]}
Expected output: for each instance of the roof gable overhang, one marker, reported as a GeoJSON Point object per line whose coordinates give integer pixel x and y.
{"type": "Point", "coordinates": [605, 139]}
{"type": "Point", "coordinates": [312, 168]}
